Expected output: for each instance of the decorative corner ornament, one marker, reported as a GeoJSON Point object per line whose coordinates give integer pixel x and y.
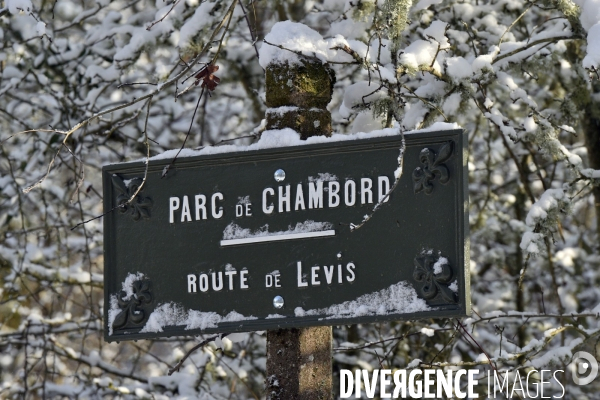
{"type": "Point", "coordinates": [136, 309]}
{"type": "Point", "coordinates": [432, 166]}
{"type": "Point", "coordinates": [140, 206]}
{"type": "Point", "coordinates": [435, 278]}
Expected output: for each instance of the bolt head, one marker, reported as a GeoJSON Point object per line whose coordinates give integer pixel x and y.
{"type": "Point", "coordinates": [279, 175]}
{"type": "Point", "coordinates": [278, 302]}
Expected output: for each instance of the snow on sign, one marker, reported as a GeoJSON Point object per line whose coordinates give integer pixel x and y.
{"type": "Point", "coordinates": [262, 239]}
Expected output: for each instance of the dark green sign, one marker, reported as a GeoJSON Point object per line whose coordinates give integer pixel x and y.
{"type": "Point", "coordinates": [264, 239]}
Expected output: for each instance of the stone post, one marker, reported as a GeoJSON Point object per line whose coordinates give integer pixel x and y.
{"type": "Point", "coordinates": [299, 360]}
{"type": "Point", "coordinates": [297, 97]}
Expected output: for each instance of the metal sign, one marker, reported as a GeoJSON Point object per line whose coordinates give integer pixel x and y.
{"type": "Point", "coordinates": [262, 239]}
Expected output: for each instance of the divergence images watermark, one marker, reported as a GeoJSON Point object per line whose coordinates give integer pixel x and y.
{"type": "Point", "coordinates": [463, 383]}
{"type": "Point", "coordinates": [584, 364]}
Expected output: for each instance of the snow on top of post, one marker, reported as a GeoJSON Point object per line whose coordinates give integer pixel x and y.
{"type": "Point", "coordinates": [295, 37]}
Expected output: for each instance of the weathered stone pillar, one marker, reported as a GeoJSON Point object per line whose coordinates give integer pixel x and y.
{"type": "Point", "coordinates": [297, 97]}
{"type": "Point", "coordinates": [299, 360]}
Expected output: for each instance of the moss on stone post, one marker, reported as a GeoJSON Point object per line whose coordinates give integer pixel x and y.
{"type": "Point", "coordinates": [297, 97]}
{"type": "Point", "coordinates": [299, 363]}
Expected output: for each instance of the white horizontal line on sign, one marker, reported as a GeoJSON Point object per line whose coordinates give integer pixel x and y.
{"type": "Point", "coordinates": [276, 238]}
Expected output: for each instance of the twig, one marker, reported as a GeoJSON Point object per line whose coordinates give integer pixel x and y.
{"type": "Point", "coordinates": [523, 271]}
{"type": "Point", "coordinates": [439, 48]}
{"type": "Point", "coordinates": [31, 131]}
{"type": "Point", "coordinates": [346, 49]}
{"type": "Point", "coordinates": [252, 34]}
{"type": "Point", "coordinates": [513, 24]}
{"type": "Point", "coordinates": [193, 349]}
{"type": "Point", "coordinates": [297, 52]}
{"type": "Point", "coordinates": [25, 374]}
{"type": "Point", "coordinates": [99, 216]}
{"type": "Point", "coordinates": [426, 102]}
{"type": "Point", "coordinates": [501, 331]}
{"type": "Point", "coordinates": [147, 153]}
{"type": "Point", "coordinates": [477, 344]}
{"type": "Point", "coordinates": [252, 135]}
{"type": "Point", "coordinates": [472, 38]}
{"type": "Point", "coordinates": [166, 169]}
{"type": "Point", "coordinates": [363, 98]}
{"type": "Point", "coordinates": [301, 54]}
{"type": "Point", "coordinates": [164, 16]}
{"type": "Point", "coordinates": [529, 45]}
{"type": "Point", "coordinates": [230, 17]}
{"type": "Point", "coordinates": [369, 344]}
{"type": "Point", "coordinates": [456, 331]}
{"type": "Point", "coordinates": [522, 174]}
{"type": "Point", "coordinates": [532, 315]}
{"type": "Point", "coordinates": [80, 180]}
{"type": "Point", "coordinates": [50, 165]}
{"type": "Point", "coordinates": [123, 122]}
{"type": "Point", "coordinates": [66, 352]}
{"type": "Point", "coordinates": [397, 174]}
{"type": "Point", "coordinates": [145, 172]}
{"type": "Point", "coordinates": [136, 83]}
{"type": "Point", "coordinates": [239, 378]}
{"type": "Point", "coordinates": [137, 100]}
